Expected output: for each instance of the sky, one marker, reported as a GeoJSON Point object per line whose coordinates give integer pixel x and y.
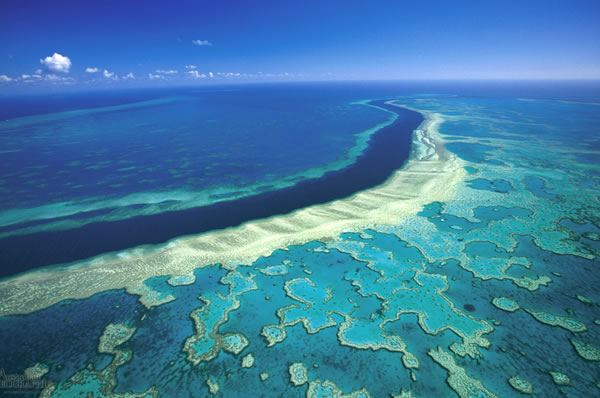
{"type": "Point", "coordinates": [84, 44]}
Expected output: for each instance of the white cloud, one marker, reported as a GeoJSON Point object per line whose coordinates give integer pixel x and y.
{"type": "Point", "coordinates": [166, 72]}
{"type": "Point", "coordinates": [190, 67]}
{"type": "Point", "coordinates": [109, 75]}
{"type": "Point", "coordinates": [4, 78]}
{"type": "Point", "coordinates": [210, 74]}
{"type": "Point", "coordinates": [152, 77]}
{"type": "Point", "coordinates": [38, 72]}
{"type": "Point", "coordinates": [196, 74]}
{"type": "Point", "coordinates": [57, 63]}
{"type": "Point", "coordinates": [201, 43]}
{"type": "Point", "coordinates": [129, 76]}
{"type": "Point", "coordinates": [92, 70]}
{"type": "Point", "coordinates": [24, 76]}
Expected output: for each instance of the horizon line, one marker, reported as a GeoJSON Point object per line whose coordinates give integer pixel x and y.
{"type": "Point", "coordinates": [50, 89]}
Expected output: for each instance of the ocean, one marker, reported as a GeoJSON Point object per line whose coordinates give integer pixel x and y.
{"type": "Point", "coordinates": [366, 238]}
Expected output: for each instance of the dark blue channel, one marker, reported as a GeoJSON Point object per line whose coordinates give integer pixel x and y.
{"type": "Point", "coordinates": [388, 149]}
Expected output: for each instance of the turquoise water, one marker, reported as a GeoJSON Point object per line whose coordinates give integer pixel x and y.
{"type": "Point", "coordinates": [406, 307]}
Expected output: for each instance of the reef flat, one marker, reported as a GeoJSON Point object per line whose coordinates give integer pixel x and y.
{"type": "Point", "coordinates": [470, 272]}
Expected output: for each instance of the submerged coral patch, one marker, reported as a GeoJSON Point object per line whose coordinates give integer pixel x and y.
{"type": "Point", "coordinates": [505, 304]}
{"type": "Point", "coordinates": [298, 374]}
{"type": "Point", "coordinates": [570, 324]}
{"type": "Point", "coordinates": [521, 385]}
{"type": "Point", "coordinates": [458, 379]}
{"type": "Point", "coordinates": [560, 379]}
{"type": "Point", "coordinates": [586, 351]}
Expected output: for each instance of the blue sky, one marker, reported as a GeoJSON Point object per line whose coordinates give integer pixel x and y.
{"type": "Point", "coordinates": [146, 43]}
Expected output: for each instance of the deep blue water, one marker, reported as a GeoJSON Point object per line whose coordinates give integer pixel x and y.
{"type": "Point", "coordinates": [179, 144]}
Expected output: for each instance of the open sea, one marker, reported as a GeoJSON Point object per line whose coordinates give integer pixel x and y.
{"type": "Point", "coordinates": [485, 287]}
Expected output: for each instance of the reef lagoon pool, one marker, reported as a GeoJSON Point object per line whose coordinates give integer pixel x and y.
{"type": "Point", "coordinates": [310, 239]}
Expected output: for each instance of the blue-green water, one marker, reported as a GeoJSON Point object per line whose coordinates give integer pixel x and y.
{"type": "Point", "coordinates": [374, 310]}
